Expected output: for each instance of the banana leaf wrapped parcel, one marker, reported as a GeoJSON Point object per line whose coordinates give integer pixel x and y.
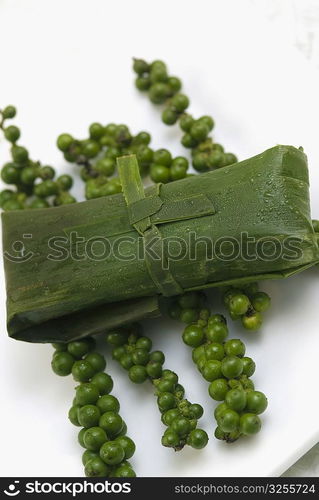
{"type": "Point", "coordinates": [79, 269]}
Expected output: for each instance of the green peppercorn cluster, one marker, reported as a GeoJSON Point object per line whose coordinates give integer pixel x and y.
{"type": "Point", "coordinates": [133, 351]}
{"type": "Point", "coordinates": [97, 156]}
{"type": "Point", "coordinates": [103, 433]}
{"type": "Point", "coordinates": [165, 89]}
{"type": "Point", "coordinates": [165, 168]}
{"type": "Point", "coordinates": [224, 365]}
{"type": "Point", "coordinates": [247, 304]}
{"type": "Point", "coordinates": [35, 184]}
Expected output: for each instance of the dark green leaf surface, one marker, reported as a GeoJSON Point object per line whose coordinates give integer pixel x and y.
{"type": "Point", "coordinates": [266, 196]}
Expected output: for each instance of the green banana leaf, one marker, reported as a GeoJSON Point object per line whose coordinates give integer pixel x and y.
{"type": "Point", "coordinates": [79, 269]}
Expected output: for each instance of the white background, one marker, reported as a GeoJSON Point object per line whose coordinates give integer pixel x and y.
{"type": "Point", "coordinates": [67, 63]}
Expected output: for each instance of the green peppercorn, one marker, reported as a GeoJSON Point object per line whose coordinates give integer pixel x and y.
{"type": "Point", "coordinates": [165, 385]}
{"type": "Point", "coordinates": [230, 159]}
{"type": "Point", "coordinates": [189, 315]}
{"type": "Point", "coordinates": [228, 421]}
{"type": "Point", "coordinates": [81, 436]}
{"type": "Point", "coordinates": [235, 347]}
{"type": "Point", "coordinates": [220, 409]}
{"type": "Point", "coordinates": [196, 411]}
{"type": "Point", "coordinates": [123, 470]}
{"type": "Point", "coordinates": [126, 361]}
{"type": "Point", "coordinates": [249, 366]}
{"type": "Point", "coordinates": [142, 138]}
{"type": "Point", "coordinates": [170, 415]}
{"type": "Point", "coordinates": [159, 92]}
{"type": "Point", "coordinates": [90, 148]}
{"type": "Point", "coordinates": [162, 157]}
{"type": "Point", "coordinates": [186, 121]}
{"type": "Point", "coordinates": [252, 321]}
{"type": "Point", "coordinates": [140, 66]}
{"type": "Point", "coordinates": [96, 468]}
{"type": "Point", "coordinates": [10, 174]}
{"type": "Point", "coordinates": [174, 83]}
{"type": "Point", "coordinates": [143, 83]}
{"type": "Point", "coordinates": [117, 337]}
{"type": "Point", "coordinates": [188, 141]}
{"type": "Point", "coordinates": [215, 159]}
{"type": "Point", "coordinates": [219, 434]}
{"type": "Point", "coordinates": [197, 439]}
{"type": "Point", "coordinates": [112, 423]}
{"type": "Point", "coordinates": [200, 162]}
{"type": "Point", "coordinates": [64, 182]}
{"type": "Point", "coordinates": [181, 426]}
{"type": "Point", "coordinates": [94, 438]}
{"type": "Point", "coordinates": [73, 415]}
{"type": "Point", "coordinates": [5, 196]}
{"type": "Point", "coordinates": [198, 352]}
{"type": "Point", "coordinates": [170, 439]}
{"type": "Point", "coordinates": [193, 336]}
{"type": "Point", "coordinates": [64, 198]}
{"type": "Point", "coordinates": [178, 172]}
{"type": "Point", "coordinates": [64, 141]}
{"type": "Point", "coordinates": [96, 131]}
{"type": "Point", "coordinates": [232, 366]}
{"type": "Point", "coordinates": [168, 374]}
{"type": "Point", "coordinates": [169, 116]}
{"type": "Point", "coordinates": [88, 416]}
{"type": "Point", "coordinates": [144, 155]}
{"type": "Point", "coordinates": [88, 455]}
{"type": "Point", "coordinates": [46, 172]}
{"type": "Point", "coordinates": [249, 424]}
{"type": "Point", "coordinates": [260, 301]}
{"type": "Point", "coordinates": [214, 350]}
{"type": "Point", "coordinates": [87, 394]}
{"type": "Point", "coordinates": [9, 112]}
{"type": "Point", "coordinates": [180, 102]}
{"type": "Point", "coordinates": [216, 332]}
{"type": "Point", "coordinates": [138, 374]}
{"type": "Point", "coordinates": [159, 173]}
{"type": "Point", "coordinates": [108, 403]}
{"type": "Point", "coordinates": [79, 348]}
{"type": "Point", "coordinates": [12, 133]}
{"type": "Point", "coordinates": [212, 370]}
{"type": "Point", "coordinates": [127, 444]}
{"type": "Point", "coordinates": [103, 382]}
{"type": "Point", "coordinates": [82, 371]}
{"type": "Point", "coordinates": [146, 344]}
{"type": "Point", "coordinates": [166, 401]}
{"type": "Point", "coordinates": [218, 389]}
{"type": "Point", "coordinates": [256, 402]}
{"type": "Point", "coordinates": [158, 64]}
{"type": "Point", "coordinates": [28, 175]}
{"type": "Point", "coordinates": [239, 304]}
{"type": "Point", "coordinates": [236, 399]}
{"type": "Point", "coordinates": [46, 188]}
{"type": "Point", "coordinates": [96, 360]}
{"type": "Point", "coordinates": [12, 205]}
{"type": "Point", "coordinates": [208, 121]}
{"type": "Point", "coordinates": [62, 363]}
{"type": "Point", "coordinates": [154, 369]}
{"type": "Point", "coordinates": [199, 131]}
{"type": "Point", "coordinates": [158, 74]}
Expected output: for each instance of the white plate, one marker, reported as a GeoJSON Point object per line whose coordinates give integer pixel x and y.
{"type": "Point", "coordinates": [66, 64]}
